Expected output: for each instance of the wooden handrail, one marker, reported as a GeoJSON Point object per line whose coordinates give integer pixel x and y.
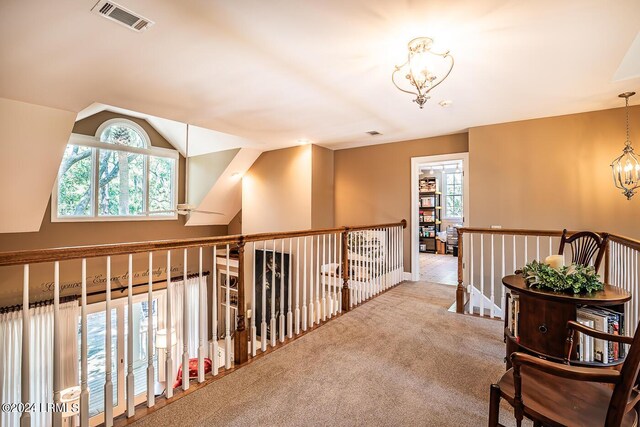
{"type": "Point", "coordinates": [514, 231]}
{"type": "Point", "coordinates": [627, 241]}
{"type": "Point", "coordinates": [35, 256]}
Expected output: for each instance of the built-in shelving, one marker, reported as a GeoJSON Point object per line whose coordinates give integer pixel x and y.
{"type": "Point", "coordinates": [429, 213]}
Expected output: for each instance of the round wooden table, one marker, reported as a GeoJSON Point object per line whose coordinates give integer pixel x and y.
{"type": "Point", "coordinates": [543, 317]}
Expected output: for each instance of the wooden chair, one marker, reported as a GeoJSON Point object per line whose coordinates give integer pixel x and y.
{"type": "Point", "coordinates": [556, 394]}
{"type": "Point", "coordinates": [585, 245]}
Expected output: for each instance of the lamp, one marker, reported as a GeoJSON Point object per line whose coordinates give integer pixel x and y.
{"type": "Point", "coordinates": [71, 397]}
{"type": "Point", "coordinates": [161, 338]}
{"type": "Point", "coordinates": [626, 167]}
{"type": "Point", "coordinates": [424, 69]}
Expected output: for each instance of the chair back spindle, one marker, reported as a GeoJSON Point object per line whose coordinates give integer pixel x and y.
{"type": "Point", "coordinates": [587, 248]}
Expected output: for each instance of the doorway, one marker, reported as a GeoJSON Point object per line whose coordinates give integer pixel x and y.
{"type": "Point", "coordinates": [439, 205]}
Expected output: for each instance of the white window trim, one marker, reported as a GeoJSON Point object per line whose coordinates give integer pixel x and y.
{"type": "Point", "coordinates": [94, 142]}
{"type": "Point", "coordinates": [445, 194]}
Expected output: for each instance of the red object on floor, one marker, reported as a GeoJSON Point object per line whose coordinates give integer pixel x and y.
{"type": "Point", "coordinates": [193, 370]}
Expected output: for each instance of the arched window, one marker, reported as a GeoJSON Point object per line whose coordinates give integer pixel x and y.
{"type": "Point", "coordinates": [117, 175]}
{"type": "Point", "coordinates": [123, 132]}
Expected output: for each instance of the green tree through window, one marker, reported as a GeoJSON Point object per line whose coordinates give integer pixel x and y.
{"type": "Point", "coordinates": [133, 179]}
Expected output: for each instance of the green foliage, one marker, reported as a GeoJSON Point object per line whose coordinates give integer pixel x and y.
{"type": "Point", "coordinates": [574, 278]}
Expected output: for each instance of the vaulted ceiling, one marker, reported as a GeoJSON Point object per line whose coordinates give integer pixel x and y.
{"type": "Point", "coordinates": [272, 72]}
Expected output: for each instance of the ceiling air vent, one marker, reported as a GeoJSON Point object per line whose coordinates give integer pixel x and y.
{"type": "Point", "coordinates": [374, 133]}
{"type": "Point", "coordinates": [121, 15]}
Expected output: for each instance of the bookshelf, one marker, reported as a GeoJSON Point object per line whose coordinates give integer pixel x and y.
{"type": "Point", "coordinates": [429, 213]}
{"type": "Point", "coordinates": [536, 320]}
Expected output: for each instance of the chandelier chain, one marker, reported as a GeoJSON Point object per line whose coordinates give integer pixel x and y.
{"type": "Point", "coordinates": [626, 104]}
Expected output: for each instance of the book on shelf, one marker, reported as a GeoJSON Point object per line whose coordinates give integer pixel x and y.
{"type": "Point", "coordinates": [514, 317]}
{"type": "Point", "coordinates": [598, 350]}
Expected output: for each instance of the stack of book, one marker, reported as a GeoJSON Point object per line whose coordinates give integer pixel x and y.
{"type": "Point", "coordinates": [591, 349]}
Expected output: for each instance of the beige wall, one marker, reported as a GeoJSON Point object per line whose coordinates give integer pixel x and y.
{"type": "Point", "coordinates": [553, 173]}
{"type": "Point", "coordinates": [373, 184]}
{"type": "Point", "coordinates": [276, 191]}
{"type": "Point", "coordinates": [235, 226]}
{"type": "Point", "coordinates": [322, 187]}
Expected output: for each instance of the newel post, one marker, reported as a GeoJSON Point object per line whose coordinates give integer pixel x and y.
{"type": "Point", "coordinates": [240, 342]}
{"type": "Point", "coordinates": [460, 290]}
{"type": "Point", "coordinates": [345, 270]}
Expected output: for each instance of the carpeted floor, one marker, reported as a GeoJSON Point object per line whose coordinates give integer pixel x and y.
{"type": "Point", "coordinates": [400, 359]}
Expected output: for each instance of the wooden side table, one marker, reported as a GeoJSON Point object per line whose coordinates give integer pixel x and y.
{"type": "Point", "coordinates": [542, 323]}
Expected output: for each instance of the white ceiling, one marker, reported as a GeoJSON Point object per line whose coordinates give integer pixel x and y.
{"type": "Point", "coordinates": [272, 72]}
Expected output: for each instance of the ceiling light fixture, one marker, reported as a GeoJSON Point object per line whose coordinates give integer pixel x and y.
{"type": "Point", "coordinates": [303, 141]}
{"type": "Point", "coordinates": [445, 103]}
{"type": "Point", "coordinates": [424, 69]}
{"type": "Point", "coordinates": [626, 167]}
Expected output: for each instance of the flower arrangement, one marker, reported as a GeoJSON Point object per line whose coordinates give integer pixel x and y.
{"type": "Point", "coordinates": [574, 278]}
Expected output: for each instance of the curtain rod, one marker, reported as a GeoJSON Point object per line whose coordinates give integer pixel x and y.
{"type": "Point", "coordinates": [69, 298]}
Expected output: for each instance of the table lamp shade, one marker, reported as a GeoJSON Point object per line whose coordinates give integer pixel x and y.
{"type": "Point", "coordinates": [161, 338]}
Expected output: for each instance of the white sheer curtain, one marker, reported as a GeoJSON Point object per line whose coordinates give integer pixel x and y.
{"type": "Point", "coordinates": [40, 358]}
{"type": "Point", "coordinates": [195, 294]}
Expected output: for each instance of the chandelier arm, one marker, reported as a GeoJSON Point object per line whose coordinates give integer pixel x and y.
{"type": "Point", "coordinates": [398, 68]}
{"type": "Point", "coordinates": [446, 55]}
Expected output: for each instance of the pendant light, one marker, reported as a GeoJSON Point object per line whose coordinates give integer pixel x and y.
{"type": "Point", "coordinates": [626, 167]}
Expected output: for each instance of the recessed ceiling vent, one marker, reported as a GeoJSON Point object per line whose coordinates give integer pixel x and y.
{"type": "Point", "coordinates": [121, 15]}
{"type": "Point", "coordinates": [374, 133]}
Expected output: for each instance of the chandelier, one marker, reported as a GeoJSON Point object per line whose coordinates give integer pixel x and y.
{"type": "Point", "coordinates": [626, 167]}
{"type": "Point", "coordinates": [424, 69]}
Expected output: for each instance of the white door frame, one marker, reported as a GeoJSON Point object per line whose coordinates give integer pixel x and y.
{"type": "Point", "coordinates": [415, 174]}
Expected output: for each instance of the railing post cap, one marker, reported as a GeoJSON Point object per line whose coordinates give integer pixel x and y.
{"type": "Point", "coordinates": [404, 223]}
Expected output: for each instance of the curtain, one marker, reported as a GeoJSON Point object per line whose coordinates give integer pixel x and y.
{"type": "Point", "coordinates": [195, 294]}
{"type": "Point", "coordinates": [40, 358]}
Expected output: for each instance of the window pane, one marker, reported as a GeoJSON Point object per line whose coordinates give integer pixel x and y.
{"type": "Point", "coordinates": [140, 344]}
{"type": "Point", "coordinates": [121, 134]}
{"type": "Point", "coordinates": [74, 182]}
{"type": "Point", "coordinates": [161, 184]}
{"type": "Point", "coordinates": [96, 358]}
{"type": "Point", "coordinates": [121, 190]}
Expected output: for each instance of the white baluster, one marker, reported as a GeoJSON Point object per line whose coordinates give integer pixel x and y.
{"type": "Point", "coordinates": [311, 300]}
{"type": "Point", "coordinates": [323, 282]}
{"type": "Point", "coordinates": [151, 397]}
{"type": "Point", "coordinates": [336, 276]}
{"type": "Point", "coordinates": [550, 245]}
{"type": "Point", "coordinates": [297, 313]}
{"type": "Point", "coordinates": [502, 288]}
{"type": "Point", "coordinates": [318, 300]}
{"type": "Point", "coordinates": [493, 282]}
{"type": "Point", "coordinates": [227, 316]}
{"type": "Point", "coordinates": [304, 288]}
{"type": "Point", "coordinates": [471, 276]}
{"type": "Point", "coordinates": [185, 323]}
{"type": "Point", "coordinates": [281, 314]}
{"type": "Point", "coordinates": [131, 407]}
{"type": "Point", "coordinates": [263, 325]}
{"type": "Point", "coordinates": [328, 278]}
{"type": "Point", "coordinates": [515, 263]}
{"type": "Point", "coordinates": [214, 316]}
{"type": "Point", "coordinates": [57, 384]}
{"type": "Point", "coordinates": [25, 417]}
{"type": "Point", "coordinates": [108, 385]}
{"type": "Point", "coordinates": [289, 298]}
{"type": "Point", "coordinates": [340, 275]}
{"type": "Point", "coordinates": [482, 275]}
{"type": "Point", "coordinates": [169, 327]}
{"type": "Point", "coordinates": [84, 385]}
{"type": "Point", "coordinates": [526, 250]}
{"type": "Point", "coordinates": [254, 332]}
{"type": "Point", "coordinates": [273, 333]}
{"type": "Point", "coordinates": [202, 319]}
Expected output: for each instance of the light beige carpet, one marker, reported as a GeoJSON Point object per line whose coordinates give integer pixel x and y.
{"type": "Point", "coordinates": [400, 359]}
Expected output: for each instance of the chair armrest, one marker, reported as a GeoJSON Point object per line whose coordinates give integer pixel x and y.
{"type": "Point", "coordinates": [599, 375]}
{"type": "Point", "coordinates": [575, 326]}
